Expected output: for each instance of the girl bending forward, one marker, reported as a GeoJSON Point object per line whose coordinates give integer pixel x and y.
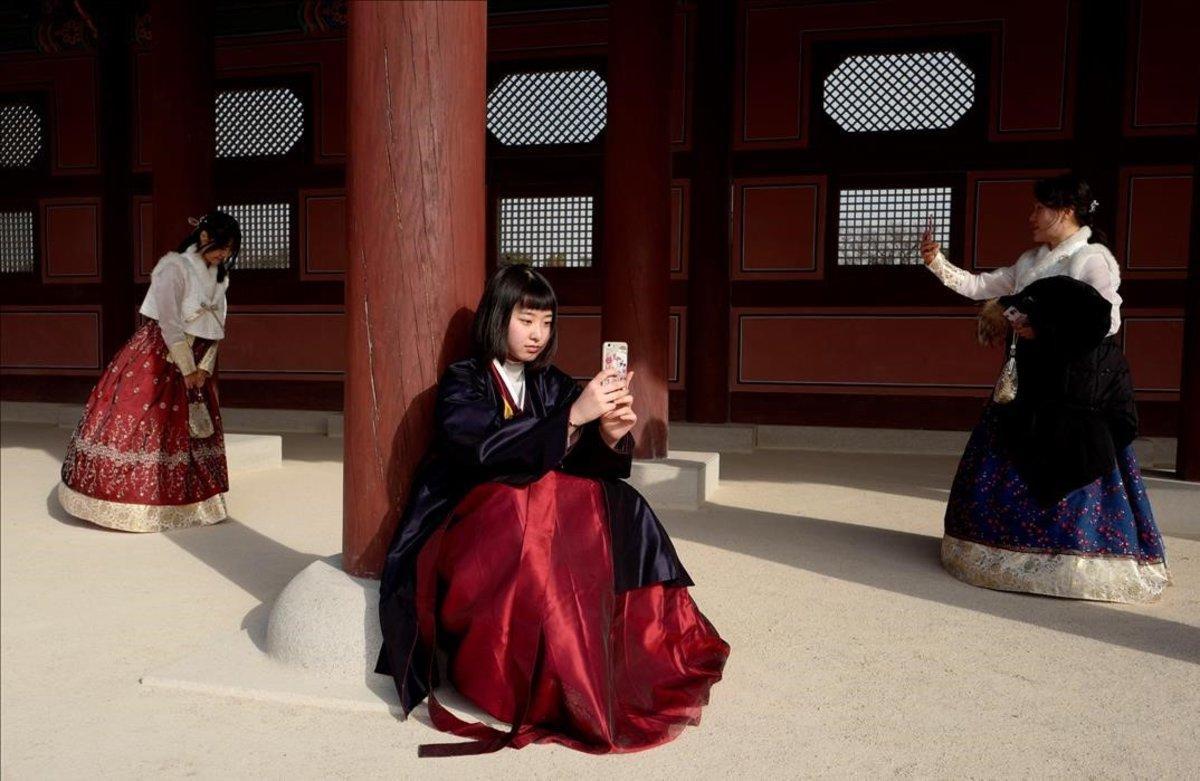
{"type": "Point", "coordinates": [149, 453]}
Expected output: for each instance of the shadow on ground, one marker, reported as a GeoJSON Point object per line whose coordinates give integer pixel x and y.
{"type": "Point", "coordinates": [918, 476]}
{"type": "Point", "coordinates": [907, 563]}
{"type": "Point", "coordinates": [257, 564]}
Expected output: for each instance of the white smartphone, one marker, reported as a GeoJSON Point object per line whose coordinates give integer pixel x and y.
{"type": "Point", "coordinates": [615, 358]}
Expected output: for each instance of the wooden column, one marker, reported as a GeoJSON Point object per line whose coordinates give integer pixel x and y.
{"type": "Point", "coordinates": [637, 178]}
{"type": "Point", "coordinates": [416, 240]}
{"type": "Point", "coordinates": [115, 22]}
{"type": "Point", "coordinates": [708, 273]}
{"type": "Point", "coordinates": [1187, 453]}
{"type": "Point", "coordinates": [183, 131]}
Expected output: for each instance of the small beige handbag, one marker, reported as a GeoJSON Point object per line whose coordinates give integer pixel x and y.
{"type": "Point", "coordinates": [1006, 385]}
{"type": "Point", "coordinates": [200, 425]}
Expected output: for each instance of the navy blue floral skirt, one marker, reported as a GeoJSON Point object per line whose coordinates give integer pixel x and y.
{"type": "Point", "coordinates": [1098, 542]}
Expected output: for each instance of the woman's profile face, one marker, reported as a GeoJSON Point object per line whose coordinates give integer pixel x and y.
{"type": "Point", "coordinates": [1045, 222]}
{"type": "Point", "coordinates": [528, 332]}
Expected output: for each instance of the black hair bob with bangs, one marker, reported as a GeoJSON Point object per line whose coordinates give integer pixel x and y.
{"type": "Point", "coordinates": [510, 286]}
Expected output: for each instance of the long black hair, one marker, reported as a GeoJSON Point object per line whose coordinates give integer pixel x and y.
{"type": "Point", "coordinates": [1070, 191]}
{"type": "Point", "coordinates": [509, 286]}
{"type": "Point", "coordinates": [223, 233]}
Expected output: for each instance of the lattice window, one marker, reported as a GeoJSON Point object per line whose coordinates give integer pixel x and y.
{"type": "Point", "coordinates": [549, 107]}
{"type": "Point", "coordinates": [16, 243]}
{"type": "Point", "coordinates": [884, 227]}
{"type": "Point", "coordinates": [266, 234]}
{"type": "Point", "coordinates": [20, 135]}
{"type": "Point", "coordinates": [890, 92]}
{"type": "Point", "coordinates": [258, 122]}
{"type": "Point", "coordinates": [546, 231]}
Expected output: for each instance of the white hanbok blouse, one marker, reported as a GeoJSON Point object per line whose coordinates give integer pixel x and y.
{"type": "Point", "coordinates": [1073, 257]}
{"type": "Point", "coordinates": [187, 302]}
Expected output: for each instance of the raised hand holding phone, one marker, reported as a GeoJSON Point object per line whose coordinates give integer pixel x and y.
{"type": "Point", "coordinates": [599, 396]}
{"type": "Point", "coordinates": [929, 247]}
{"type": "Point", "coordinates": [619, 421]}
{"type": "Point", "coordinates": [615, 358]}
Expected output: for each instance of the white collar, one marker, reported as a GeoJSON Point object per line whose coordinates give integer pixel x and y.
{"type": "Point", "coordinates": [513, 375]}
{"type": "Point", "coordinates": [1066, 248]}
{"type": "Point", "coordinates": [192, 253]}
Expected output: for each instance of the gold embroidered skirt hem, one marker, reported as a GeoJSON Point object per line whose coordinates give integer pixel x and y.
{"type": "Point", "coordinates": [130, 517]}
{"type": "Point", "coordinates": [1100, 578]}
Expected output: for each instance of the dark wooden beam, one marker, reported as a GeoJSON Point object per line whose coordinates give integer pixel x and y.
{"type": "Point", "coordinates": [1187, 454]}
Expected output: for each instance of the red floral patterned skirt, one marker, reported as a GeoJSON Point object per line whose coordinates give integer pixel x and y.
{"type": "Point", "coordinates": [132, 464]}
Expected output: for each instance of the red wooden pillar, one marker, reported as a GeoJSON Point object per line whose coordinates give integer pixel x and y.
{"type": "Point", "coordinates": [183, 123]}
{"type": "Point", "coordinates": [1187, 448]}
{"type": "Point", "coordinates": [416, 240]}
{"type": "Point", "coordinates": [637, 178]}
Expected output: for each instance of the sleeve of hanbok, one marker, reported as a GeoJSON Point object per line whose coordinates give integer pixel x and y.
{"type": "Point", "coordinates": [592, 457]}
{"type": "Point", "coordinates": [167, 286]}
{"type": "Point", "coordinates": [978, 287]}
{"type": "Point", "coordinates": [477, 437]}
{"type": "Point", "coordinates": [1104, 278]}
{"type": "Point", "coordinates": [209, 362]}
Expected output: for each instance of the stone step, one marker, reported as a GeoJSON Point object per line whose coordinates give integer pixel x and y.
{"type": "Point", "coordinates": [684, 480]}
{"type": "Point", "coordinates": [249, 452]}
{"type": "Point", "coordinates": [236, 419]}
{"type": "Point", "coordinates": [1153, 452]}
{"type": "Point", "coordinates": [245, 452]}
{"type": "Point", "coordinates": [720, 438]}
{"type": "Point", "coordinates": [282, 421]}
{"type": "Point", "coordinates": [845, 439]}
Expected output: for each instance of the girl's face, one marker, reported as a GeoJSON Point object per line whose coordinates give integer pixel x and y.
{"type": "Point", "coordinates": [1050, 225]}
{"type": "Point", "coordinates": [213, 256]}
{"type": "Point", "coordinates": [528, 332]}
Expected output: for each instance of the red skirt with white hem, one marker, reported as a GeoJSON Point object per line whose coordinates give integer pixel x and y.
{"type": "Point", "coordinates": [132, 464]}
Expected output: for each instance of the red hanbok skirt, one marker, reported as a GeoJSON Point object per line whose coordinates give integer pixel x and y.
{"type": "Point", "coordinates": [132, 464]}
{"type": "Point", "coordinates": [517, 588]}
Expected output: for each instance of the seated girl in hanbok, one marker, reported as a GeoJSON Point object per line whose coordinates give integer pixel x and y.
{"type": "Point", "coordinates": [149, 453]}
{"type": "Point", "coordinates": [1048, 497]}
{"type": "Point", "coordinates": [548, 582]}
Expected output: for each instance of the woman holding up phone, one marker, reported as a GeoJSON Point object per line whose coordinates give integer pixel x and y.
{"type": "Point", "coordinates": [1048, 497]}
{"type": "Point", "coordinates": [548, 581]}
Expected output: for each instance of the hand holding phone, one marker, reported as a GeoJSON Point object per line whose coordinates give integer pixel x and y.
{"type": "Point", "coordinates": [621, 419]}
{"type": "Point", "coordinates": [929, 247]}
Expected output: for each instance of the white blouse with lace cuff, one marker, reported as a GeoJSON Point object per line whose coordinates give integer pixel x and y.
{"type": "Point", "coordinates": [1073, 257]}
